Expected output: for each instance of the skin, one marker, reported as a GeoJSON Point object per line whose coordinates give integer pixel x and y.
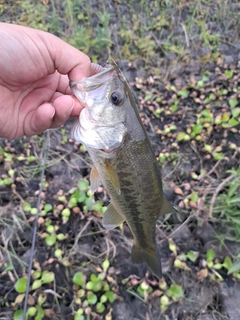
{"type": "Point", "coordinates": [35, 69]}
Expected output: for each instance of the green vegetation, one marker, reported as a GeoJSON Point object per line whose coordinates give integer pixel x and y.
{"type": "Point", "coordinates": [181, 60]}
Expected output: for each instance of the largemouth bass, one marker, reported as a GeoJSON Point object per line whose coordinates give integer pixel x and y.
{"type": "Point", "coordinates": [124, 161]}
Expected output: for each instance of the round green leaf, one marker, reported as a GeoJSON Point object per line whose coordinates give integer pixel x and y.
{"type": "Point", "coordinates": [92, 298]}
{"type": "Point", "coordinates": [40, 313]}
{"type": "Point", "coordinates": [50, 229]}
{"type": "Point", "coordinates": [78, 279]}
{"type": "Point", "coordinates": [36, 274]}
{"type": "Point", "coordinates": [175, 291]}
{"type": "Point", "coordinates": [78, 317]}
{"type": "Point", "coordinates": [36, 284]}
{"type": "Point", "coordinates": [61, 236]}
{"type": "Point", "coordinates": [110, 295]}
{"type": "Point", "coordinates": [66, 212]}
{"type": "Point", "coordinates": [26, 206]}
{"type": "Point", "coordinates": [32, 311]}
{"type": "Point", "coordinates": [18, 315]}
{"type": "Point", "coordinates": [100, 307]}
{"type": "Point", "coordinates": [48, 207]}
{"type": "Point", "coordinates": [50, 240]}
{"type": "Point", "coordinates": [47, 276]}
{"type": "Point", "coordinates": [83, 185]}
{"type": "Point", "coordinates": [105, 265]}
{"type": "Point", "coordinates": [89, 285]}
{"type": "Point", "coordinates": [21, 285]}
{"type": "Point", "coordinates": [103, 298]}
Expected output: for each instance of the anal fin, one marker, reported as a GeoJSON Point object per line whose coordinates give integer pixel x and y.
{"type": "Point", "coordinates": [112, 218]}
{"type": "Point", "coordinates": [166, 207]}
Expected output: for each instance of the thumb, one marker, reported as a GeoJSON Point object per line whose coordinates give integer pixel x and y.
{"type": "Point", "coordinates": [39, 120]}
{"type": "Point", "coordinates": [66, 58]}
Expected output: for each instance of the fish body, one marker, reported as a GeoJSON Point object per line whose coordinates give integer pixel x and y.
{"type": "Point", "coordinates": [123, 159]}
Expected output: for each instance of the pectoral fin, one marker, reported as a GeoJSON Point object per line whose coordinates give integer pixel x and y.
{"type": "Point", "coordinates": [94, 180]}
{"type": "Point", "coordinates": [166, 207]}
{"type": "Point", "coordinates": [112, 218]}
{"type": "Point", "coordinates": [112, 176]}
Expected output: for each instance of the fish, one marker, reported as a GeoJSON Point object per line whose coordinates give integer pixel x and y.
{"type": "Point", "coordinates": [123, 159]}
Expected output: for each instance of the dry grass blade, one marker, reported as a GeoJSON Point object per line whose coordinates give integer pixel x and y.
{"type": "Point", "coordinates": [219, 188]}
{"type": "Point", "coordinates": [36, 222]}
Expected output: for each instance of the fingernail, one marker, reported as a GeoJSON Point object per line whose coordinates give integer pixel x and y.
{"type": "Point", "coordinates": [71, 109]}
{"type": "Point", "coordinates": [53, 114]}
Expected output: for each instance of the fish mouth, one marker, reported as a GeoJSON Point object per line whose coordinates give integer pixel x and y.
{"type": "Point", "coordinates": [108, 151]}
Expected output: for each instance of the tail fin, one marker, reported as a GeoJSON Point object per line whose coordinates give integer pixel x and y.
{"type": "Point", "coordinates": [150, 256]}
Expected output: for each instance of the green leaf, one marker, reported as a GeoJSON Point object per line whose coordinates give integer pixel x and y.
{"type": "Point", "coordinates": [210, 255]}
{"type": "Point", "coordinates": [105, 265]}
{"type": "Point", "coordinates": [40, 313]}
{"type": "Point", "coordinates": [47, 276]}
{"type": "Point", "coordinates": [97, 287]}
{"type": "Point", "coordinates": [217, 266]}
{"type": "Point", "coordinates": [192, 255]}
{"type": "Point", "coordinates": [78, 279]}
{"type": "Point", "coordinates": [94, 278]}
{"type": "Point", "coordinates": [235, 112]}
{"type": "Point", "coordinates": [233, 102]}
{"type": "Point", "coordinates": [72, 201]}
{"type": "Point", "coordinates": [233, 122]}
{"type": "Point", "coordinates": [83, 185]}
{"type": "Point", "coordinates": [78, 317]}
{"type": "Point", "coordinates": [18, 315]}
{"type": "Point", "coordinates": [50, 229]}
{"type": "Point", "coordinates": [32, 311]}
{"type": "Point", "coordinates": [89, 285]}
{"type": "Point", "coordinates": [228, 74]}
{"type": "Point", "coordinates": [208, 148]}
{"type": "Point", "coordinates": [103, 298]}
{"type": "Point", "coordinates": [61, 236]}
{"type": "Point", "coordinates": [175, 291]}
{"type": "Point", "coordinates": [21, 285]}
{"type": "Point", "coordinates": [217, 155]}
{"type": "Point", "coordinates": [164, 300]}
{"type": "Point", "coordinates": [183, 93]}
{"type": "Point", "coordinates": [197, 128]}
{"type": "Point", "coordinates": [50, 240]}
{"type": "Point", "coordinates": [97, 206]}
{"type": "Point", "coordinates": [110, 295]}
{"type": "Point", "coordinates": [66, 212]}
{"type": "Point", "coordinates": [26, 206]}
{"type": "Point", "coordinates": [47, 207]}
{"type": "Point", "coordinates": [233, 188]}
{"type": "Point", "coordinates": [36, 284]}
{"type": "Point", "coordinates": [33, 211]}
{"type": "Point", "coordinates": [227, 263]}
{"type": "Point", "coordinates": [92, 298]}
{"type": "Point", "coordinates": [36, 274]}
{"type": "Point", "coordinates": [100, 307]}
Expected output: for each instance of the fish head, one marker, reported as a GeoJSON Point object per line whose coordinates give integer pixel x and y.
{"type": "Point", "coordinates": [102, 122]}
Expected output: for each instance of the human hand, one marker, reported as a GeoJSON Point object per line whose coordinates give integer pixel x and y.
{"type": "Point", "coordinates": [35, 69]}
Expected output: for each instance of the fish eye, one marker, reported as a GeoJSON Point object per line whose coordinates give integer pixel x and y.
{"type": "Point", "coordinates": [116, 98]}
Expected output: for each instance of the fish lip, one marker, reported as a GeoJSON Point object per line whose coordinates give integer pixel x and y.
{"type": "Point", "coordinates": [108, 151]}
{"type": "Point", "coordinates": [84, 83]}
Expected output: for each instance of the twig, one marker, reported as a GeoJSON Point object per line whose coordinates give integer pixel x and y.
{"type": "Point", "coordinates": [219, 188]}
{"type": "Point", "coordinates": [36, 223]}
{"type": "Point", "coordinates": [186, 35]}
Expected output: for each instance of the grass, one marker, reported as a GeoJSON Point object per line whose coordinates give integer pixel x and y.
{"type": "Point", "coordinates": [190, 97]}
